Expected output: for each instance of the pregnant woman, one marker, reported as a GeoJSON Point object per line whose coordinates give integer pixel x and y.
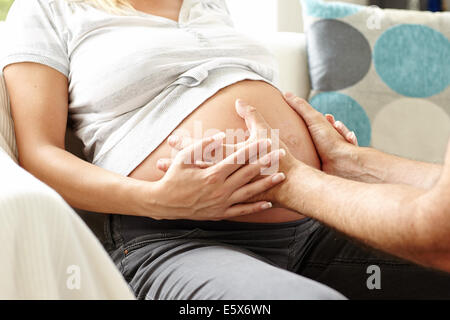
{"type": "Point", "coordinates": [127, 74]}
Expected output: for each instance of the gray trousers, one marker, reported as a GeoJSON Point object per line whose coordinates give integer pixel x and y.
{"type": "Point", "coordinates": [229, 260]}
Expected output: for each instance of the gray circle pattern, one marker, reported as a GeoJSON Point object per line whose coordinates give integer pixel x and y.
{"type": "Point", "coordinates": [339, 55]}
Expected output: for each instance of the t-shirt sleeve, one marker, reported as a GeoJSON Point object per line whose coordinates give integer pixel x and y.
{"type": "Point", "coordinates": [32, 34]}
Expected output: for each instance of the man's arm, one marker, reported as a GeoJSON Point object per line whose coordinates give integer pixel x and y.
{"type": "Point", "coordinates": [341, 158]}
{"type": "Point", "coordinates": [400, 219]}
{"type": "Point", "coordinates": [373, 166]}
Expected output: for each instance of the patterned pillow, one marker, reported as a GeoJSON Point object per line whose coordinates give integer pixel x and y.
{"type": "Point", "coordinates": [385, 73]}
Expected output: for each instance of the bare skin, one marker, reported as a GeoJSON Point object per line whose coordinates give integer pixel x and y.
{"type": "Point", "coordinates": [406, 213]}
{"type": "Point", "coordinates": [167, 9]}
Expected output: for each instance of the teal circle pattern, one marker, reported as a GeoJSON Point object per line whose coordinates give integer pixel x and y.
{"type": "Point", "coordinates": [413, 60]}
{"type": "Point", "coordinates": [347, 110]}
{"type": "Point", "coordinates": [321, 9]}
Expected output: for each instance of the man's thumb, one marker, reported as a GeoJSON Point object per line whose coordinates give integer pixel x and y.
{"type": "Point", "coordinates": [253, 119]}
{"type": "Point", "coordinates": [304, 109]}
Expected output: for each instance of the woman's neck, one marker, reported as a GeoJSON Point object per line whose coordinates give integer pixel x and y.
{"type": "Point", "coordinates": [169, 9]}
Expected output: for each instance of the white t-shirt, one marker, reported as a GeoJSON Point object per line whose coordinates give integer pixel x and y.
{"type": "Point", "coordinates": [133, 78]}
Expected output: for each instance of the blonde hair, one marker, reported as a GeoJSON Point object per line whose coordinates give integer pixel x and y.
{"type": "Point", "coordinates": [121, 7]}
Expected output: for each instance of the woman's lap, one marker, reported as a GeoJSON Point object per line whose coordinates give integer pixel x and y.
{"type": "Point", "coordinates": [266, 264]}
{"type": "Point", "coordinates": [203, 270]}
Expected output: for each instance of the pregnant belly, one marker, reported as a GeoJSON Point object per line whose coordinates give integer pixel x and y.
{"type": "Point", "coordinates": [218, 112]}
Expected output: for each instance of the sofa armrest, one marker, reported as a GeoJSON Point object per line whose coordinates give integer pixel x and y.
{"type": "Point", "coordinates": [7, 135]}
{"type": "Point", "coordinates": [289, 49]}
{"type": "Point", "coordinates": [44, 239]}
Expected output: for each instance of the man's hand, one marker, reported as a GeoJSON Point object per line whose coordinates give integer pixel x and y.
{"type": "Point", "coordinates": [335, 144]}
{"type": "Point", "coordinates": [257, 125]}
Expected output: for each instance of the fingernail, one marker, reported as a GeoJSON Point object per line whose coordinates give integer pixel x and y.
{"type": "Point", "coordinates": [161, 164]}
{"type": "Point", "coordinates": [267, 205]}
{"type": "Point", "coordinates": [173, 139]}
{"type": "Point", "coordinates": [282, 152]}
{"type": "Point", "coordinates": [279, 177]}
{"type": "Point", "coordinates": [288, 95]}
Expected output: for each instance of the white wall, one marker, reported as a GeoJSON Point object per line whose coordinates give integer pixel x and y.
{"type": "Point", "coordinates": [260, 16]}
{"type": "Point", "coordinates": [290, 14]}
{"type": "Point", "coordinates": [254, 16]}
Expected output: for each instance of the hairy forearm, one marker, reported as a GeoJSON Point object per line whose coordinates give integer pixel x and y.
{"type": "Point", "coordinates": [373, 166]}
{"type": "Point", "coordinates": [83, 185]}
{"type": "Point", "coordinates": [383, 216]}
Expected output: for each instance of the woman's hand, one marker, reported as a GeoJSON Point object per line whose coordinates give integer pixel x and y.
{"type": "Point", "coordinates": [335, 144]}
{"type": "Point", "coordinates": [213, 192]}
{"type": "Point", "coordinates": [280, 160]}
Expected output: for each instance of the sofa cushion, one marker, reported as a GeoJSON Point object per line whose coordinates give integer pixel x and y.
{"type": "Point", "coordinates": [385, 73]}
{"type": "Point", "coordinates": [7, 136]}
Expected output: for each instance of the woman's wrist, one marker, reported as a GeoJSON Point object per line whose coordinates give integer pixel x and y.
{"type": "Point", "coordinates": [144, 196]}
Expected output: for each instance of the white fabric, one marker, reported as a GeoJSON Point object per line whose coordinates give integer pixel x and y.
{"type": "Point", "coordinates": [289, 49]}
{"type": "Point", "coordinates": [290, 18]}
{"type": "Point", "coordinates": [7, 136]}
{"type": "Point", "coordinates": [43, 237]}
{"type": "Point", "coordinates": [47, 250]}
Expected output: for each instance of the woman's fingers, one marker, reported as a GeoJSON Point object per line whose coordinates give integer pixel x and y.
{"type": "Point", "coordinates": [246, 174]}
{"type": "Point", "coordinates": [194, 152]}
{"type": "Point", "coordinates": [245, 209]}
{"type": "Point", "coordinates": [180, 142]}
{"type": "Point", "coordinates": [203, 164]}
{"type": "Point", "coordinates": [240, 158]}
{"type": "Point", "coordinates": [255, 188]}
{"type": "Point", "coordinates": [208, 145]}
